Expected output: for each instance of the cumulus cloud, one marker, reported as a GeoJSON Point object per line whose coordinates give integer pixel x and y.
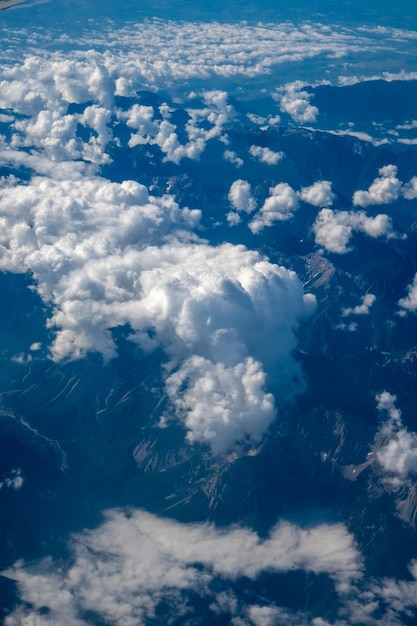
{"type": "Point", "coordinates": [13, 480]}
{"type": "Point", "coordinates": [106, 254]}
{"type": "Point", "coordinates": [122, 570]}
{"type": "Point", "coordinates": [386, 401]}
{"type": "Point", "coordinates": [222, 405]}
{"type": "Point", "coordinates": [384, 190]}
{"type": "Point", "coordinates": [396, 448]}
{"type": "Point", "coordinates": [334, 229]}
{"type": "Point", "coordinates": [319, 194]}
{"type": "Point", "coordinates": [46, 123]}
{"type": "Point", "coordinates": [203, 124]}
{"type": "Point", "coordinates": [279, 206]}
{"type": "Point", "coordinates": [399, 455]}
{"type": "Point", "coordinates": [361, 309]}
{"type": "Point", "coordinates": [240, 196]}
{"type": "Point", "coordinates": [232, 157]}
{"type": "Point", "coordinates": [294, 100]}
{"type": "Point", "coordinates": [266, 155]}
{"type": "Point", "coordinates": [409, 303]}
{"type": "Point", "coordinates": [409, 190]}
{"type": "Point", "coordinates": [152, 54]}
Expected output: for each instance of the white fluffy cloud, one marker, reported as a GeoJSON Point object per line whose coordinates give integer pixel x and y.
{"type": "Point", "coordinates": [123, 569]}
{"type": "Point", "coordinates": [334, 229]}
{"type": "Point", "coordinates": [361, 309]}
{"type": "Point", "coordinates": [409, 190]}
{"type": "Point", "coordinates": [386, 401]}
{"type": "Point", "coordinates": [105, 254]}
{"type": "Point", "coordinates": [222, 405]}
{"type": "Point", "coordinates": [294, 100]}
{"type": "Point", "coordinates": [153, 53]}
{"type": "Point", "coordinates": [152, 56]}
{"type": "Point", "coordinates": [240, 196]}
{"type": "Point", "coordinates": [266, 155]}
{"type": "Point", "coordinates": [399, 455]}
{"type": "Point", "coordinates": [319, 194]}
{"type": "Point", "coordinates": [409, 303]}
{"type": "Point", "coordinates": [232, 157]}
{"type": "Point", "coordinates": [55, 132]}
{"type": "Point", "coordinates": [396, 449]}
{"type": "Point", "coordinates": [384, 190]}
{"type": "Point", "coordinates": [164, 134]}
{"type": "Point", "coordinates": [279, 206]}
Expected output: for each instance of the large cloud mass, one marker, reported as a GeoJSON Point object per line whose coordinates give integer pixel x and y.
{"type": "Point", "coordinates": [108, 254]}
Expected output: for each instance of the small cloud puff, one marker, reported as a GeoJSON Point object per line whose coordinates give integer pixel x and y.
{"type": "Point", "coordinates": [266, 155]}
{"type": "Point", "coordinates": [271, 616]}
{"type": "Point", "coordinates": [399, 455]}
{"type": "Point", "coordinates": [280, 206]}
{"type": "Point", "coordinates": [384, 190]}
{"type": "Point", "coordinates": [13, 480]}
{"type": "Point", "coordinates": [334, 229]}
{"type": "Point", "coordinates": [397, 451]}
{"type": "Point", "coordinates": [360, 309]}
{"type": "Point", "coordinates": [240, 196]}
{"type": "Point", "coordinates": [319, 194]}
{"type": "Point", "coordinates": [295, 101]}
{"type": "Point", "coordinates": [409, 303]}
{"type": "Point", "coordinates": [409, 190]}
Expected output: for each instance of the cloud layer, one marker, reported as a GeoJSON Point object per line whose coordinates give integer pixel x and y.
{"type": "Point", "coordinates": [136, 568]}
{"type": "Point", "coordinates": [121, 571]}
{"type": "Point", "coordinates": [160, 53]}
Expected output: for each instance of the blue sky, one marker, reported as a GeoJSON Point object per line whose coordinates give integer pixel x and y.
{"type": "Point", "coordinates": [350, 12]}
